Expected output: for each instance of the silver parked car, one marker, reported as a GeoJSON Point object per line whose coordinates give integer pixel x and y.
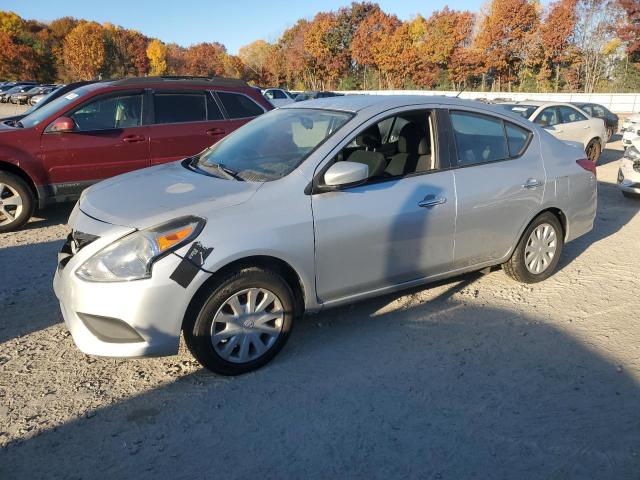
{"type": "Point", "coordinates": [309, 206]}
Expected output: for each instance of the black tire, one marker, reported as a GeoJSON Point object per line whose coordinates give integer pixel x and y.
{"type": "Point", "coordinates": [198, 322]}
{"type": "Point", "coordinates": [593, 150]}
{"type": "Point", "coordinates": [26, 195]}
{"type": "Point", "coordinates": [516, 267]}
{"type": "Point", "coordinates": [634, 196]}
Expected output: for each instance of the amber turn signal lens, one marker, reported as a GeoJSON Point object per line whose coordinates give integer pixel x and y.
{"type": "Point", "coordinates": [170, 239]}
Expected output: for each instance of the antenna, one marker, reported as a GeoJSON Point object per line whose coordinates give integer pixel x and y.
{"type": "Point", "coordinates": [464, 87]}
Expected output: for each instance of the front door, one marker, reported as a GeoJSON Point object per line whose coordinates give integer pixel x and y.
{"type": "Point", "coordinates": [109, 139]}
{"type": "Point", "coordinates": [396, 227]}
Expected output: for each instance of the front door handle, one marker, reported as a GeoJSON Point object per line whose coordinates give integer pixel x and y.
{"type": "Point", "coordinates": [133, 139]}
{"type": "Point", "coordinates": [432, 201]}
{"type": "Point", "coordinates": [532, 183]}
{"type": "Point", "coordinates": [216, 131]}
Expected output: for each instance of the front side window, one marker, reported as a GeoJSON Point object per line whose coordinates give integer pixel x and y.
{"type": "Point", "coordinates": [277, 94]}
{"type": "Point", "coordinates": [570, 115]}
{"type": "Point", "coordinates": [179, 107]}
{"type": "Point", "coordinates": [239, 106]}
{"type": "Point", "coordinates": [271, 146]}
{"type": "Point", "coordinates": [394, 147]}
{"type": "Point", "coordinates": [108, 113]}
{"type": "Point", "coordinates": [479, 138]}
{"type": "Point", "coordinates": [548, 117]}
{"type": "Point", "coordinates": [588, 109]}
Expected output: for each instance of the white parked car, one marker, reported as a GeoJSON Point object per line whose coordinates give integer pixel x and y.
{"type": "Point", "coordinates": [629, 171]}
{"type": "Point", "coordinates": [278, 97]}
{"type": "Point", "coordinates": [630, 129]}
{"type": "Point", "coordinates": [565, 122]}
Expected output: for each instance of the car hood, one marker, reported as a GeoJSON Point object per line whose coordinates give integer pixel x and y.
{"type": "Point", "coordinates": [151, 196]}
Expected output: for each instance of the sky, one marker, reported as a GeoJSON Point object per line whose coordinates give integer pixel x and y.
{"type": "Point", "coordinates": [233, 23]}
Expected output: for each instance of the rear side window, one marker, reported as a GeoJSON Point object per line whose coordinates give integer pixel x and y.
{"type": "Point", "coordinates": [239, 106]}
{"type": "Point", "coordinates": [517, 138]}
{"type": "Point", "coordinates": [179, 107]}
{"type": "Point", "coordinates": [277, 94]}
{"type": "Point", "coordinates": [479, 138]}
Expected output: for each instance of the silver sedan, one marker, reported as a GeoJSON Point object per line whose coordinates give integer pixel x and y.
{"type": "Point", "coordinates": [316, 204]}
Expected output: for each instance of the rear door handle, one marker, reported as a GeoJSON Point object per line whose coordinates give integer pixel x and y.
{"type": "Point", "coordinates": [532, 183]}
{"type": "Point", "coordinates": [432, 201]}
{"type": "Point", "coordinates": [216, 131]}
{"type": "Point", "coordinates": [133, 138]}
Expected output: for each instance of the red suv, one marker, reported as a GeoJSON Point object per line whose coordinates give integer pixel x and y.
{"type": "Point", "coordinates": [107, 128]}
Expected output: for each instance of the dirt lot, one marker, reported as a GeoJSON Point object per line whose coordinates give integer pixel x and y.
{"type": "Point", "coordinates": [477, 377]}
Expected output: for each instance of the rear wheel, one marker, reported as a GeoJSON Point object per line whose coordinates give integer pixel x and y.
{"type": "Point", "coordinates": [537, 254]}
{"type": "Point", "coordinates": [243, 323]}
{"type": "Point", "coordinates": [16, 202]}
{"type": "Point", "coordinates": [593, 150]}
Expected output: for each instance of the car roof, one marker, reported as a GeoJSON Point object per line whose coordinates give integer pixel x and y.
{"type": "Point", "coordinates": [380, 103]}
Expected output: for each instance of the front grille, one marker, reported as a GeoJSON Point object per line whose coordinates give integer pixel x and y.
{"type": "Point", "coordinates": [75, 242]}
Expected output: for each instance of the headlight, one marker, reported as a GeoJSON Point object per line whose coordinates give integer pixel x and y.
{"type": "Point", "coordinates": [132, 256]}
{"type": "Point", "coordinates": [632, 153]}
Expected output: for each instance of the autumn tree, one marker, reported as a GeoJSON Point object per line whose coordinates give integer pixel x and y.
{"type": "Point", "coordinates": [84, 51]}
{"type": "Point", "coordinates": [175, 59]}
{"type": "Point", "coordinates": [295, 59]}
{"type": "Point", "coordinates": [128, 53]}
{"type": "Point", "coordinates": [368, 47]}
{"type": "Point", "coordinates": [157, 55]}
{"type": "Point", "coordinates": [257, 58]}
{"type": "Point", "coordinates": [322, 42]}
{"type": "Point", "coordinates": [503, 35]}
{"type": "Point", "coordinates": [17, 61]}
{"type": "Point", "coordinates": [205, 59]}
{"type": "Point", "coordinates": [629, 28]}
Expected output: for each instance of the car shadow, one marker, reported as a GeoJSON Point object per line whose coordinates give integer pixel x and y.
{"type": "Point", "coordinates": [56, 214]}
{"type": "Point", "coordinates": [390, 388]}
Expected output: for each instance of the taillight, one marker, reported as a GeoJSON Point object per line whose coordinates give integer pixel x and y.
{"type": "Point", "coordinates": [588, 165]}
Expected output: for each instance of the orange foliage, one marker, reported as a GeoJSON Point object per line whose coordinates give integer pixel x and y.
{"type": "Point", "coordinates": [84, 51]}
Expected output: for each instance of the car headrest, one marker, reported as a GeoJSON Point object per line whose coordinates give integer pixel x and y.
{"type": "Point", "coordinates": [370, 138]}
{"type": "Point", "coordinates": [423, 147]}
{"type": "Point", "coordinates": [409, 138]}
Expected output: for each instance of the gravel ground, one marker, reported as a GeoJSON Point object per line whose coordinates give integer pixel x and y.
{"type": "Point", "coordinates": [476, 377]}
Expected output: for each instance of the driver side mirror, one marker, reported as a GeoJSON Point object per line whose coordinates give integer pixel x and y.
{"type": "Point", "coordinates": [346, 174]}
{"type": "Point", "coordinates": [61, 125]}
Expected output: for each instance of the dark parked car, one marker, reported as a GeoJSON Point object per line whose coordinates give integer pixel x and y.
{"type": "Point", "coordinates": [21, 98]}
{"type": "Point", "coordinates": [4, 96]}
{"type": "Point", "coordinates": [107, 128]}
{"type": "Point", "coordinates": [313, 95]}
{"type": "Point", "coordinates": [598, 111]}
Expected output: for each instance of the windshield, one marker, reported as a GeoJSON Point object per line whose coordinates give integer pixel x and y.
{"type": "Point", "coordinates": [271, 146]}
{"type": "Point", "coordinates": [524, 111]}
{"type": "Point", "coordinates": [38, 115]}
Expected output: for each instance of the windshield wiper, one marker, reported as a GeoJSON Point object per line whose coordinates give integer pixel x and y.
{"type": "Point", "coordinates": [228, 171]}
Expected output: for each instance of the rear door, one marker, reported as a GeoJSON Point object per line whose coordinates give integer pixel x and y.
{"type": "Point", "coordinates": [109, 139]}
{"type": "Point", "coordinates": [499, 178]}
{"type": "Point", "coordinates": [183, 123]}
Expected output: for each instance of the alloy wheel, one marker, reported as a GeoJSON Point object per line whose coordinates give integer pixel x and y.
{"type": "Point", "coordinates": [541, 248]}
{"type": "Point", "coordinates": [247, 325]}
{"type": "Point", "coordinates": [10, 204]}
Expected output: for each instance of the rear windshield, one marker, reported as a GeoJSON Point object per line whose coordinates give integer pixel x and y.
{"type": "Point", "coordinates": [524, 111]}
{"type": "Point", "coordinates": [44, 112]}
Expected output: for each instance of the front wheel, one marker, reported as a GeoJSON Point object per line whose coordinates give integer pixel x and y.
{"type": "Point", "coordinates": [16, 202]}
{"type": "Point", "coordinates": [593, 150]}
{"type": "Point", "coordinates": [243, 323]}
{"type": "Point", "coordinates": [536, 255]}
